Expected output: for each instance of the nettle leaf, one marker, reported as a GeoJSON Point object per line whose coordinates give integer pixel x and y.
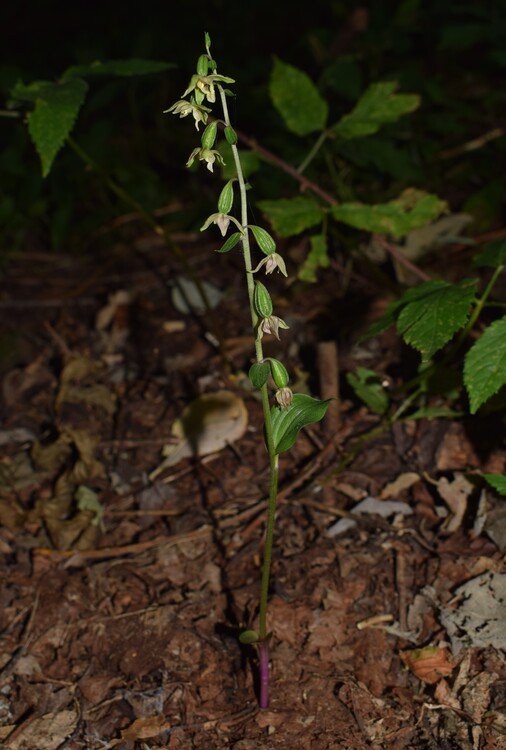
{"type": "Point", "coordinates": [287, 423]}
{"type": "Point", "coordinates": [290, 216]}
{"type": "Point", "coordinates": [125, 68]}
{"type": "Point", "coordinates": [367, 385]}
{"type": "Point", "coordinates": [493, 255]}
{"type": "Point", "coordinates": [433, 312]}
{"type": "Point", "coordinates": [378, 105]}
{"type": "Point", "coordinates": [297, 99]}
{"type": "Point", "coordinates": [485, 365]}
{"type": "Point", "coordinates": [317, 258]}
{"type": "Point", "coordinates": [53, 117]}
{"type": "Point", "coordinates": [412, 209]}
{"type": "Point", "coordinates": [497, 481]}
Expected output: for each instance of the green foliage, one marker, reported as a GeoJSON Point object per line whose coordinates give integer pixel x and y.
{"type": "Point", "coordinates": [413, 209]}
{"type": "Point", "coordinates": [293, 215]}
{"type": "Point", "coordinates": [123, 68]}
{"type": "Point", "coordinates": [368, 387]}
{"type": "Point", "coordinates": [316, 258]}
{"type": "Point", "coordinates": [497, 481]}
{"type": "Point", "coordinates": [56, 106]}
{"type": "Point", "coordinates": [485, 365]}
{"type": "Point", "coordinates": [493, 255]}
{"type": "Point", "coordinates": [297, 99]}
{"type": "Point", "coordinates": [377, 106]}
{"type": "Point", "coordinates": [286, 424]}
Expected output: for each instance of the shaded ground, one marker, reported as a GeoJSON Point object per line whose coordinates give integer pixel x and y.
{"type": "Point", "coordinates": [121, 597]}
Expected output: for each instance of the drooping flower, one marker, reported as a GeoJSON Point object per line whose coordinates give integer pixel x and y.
{"type": "Point", "coordinates": [222, 221]}
{"type": "Point", "coordinates": [271, 324]}
{"type": "Point", "coordinates": [184, 108]}
{"type": "Point", "coordinates": [271, 262]}
{"type": "Point", "coordinates": [209, 155]}
{"type": "Point", "coordinates": [284, 397]}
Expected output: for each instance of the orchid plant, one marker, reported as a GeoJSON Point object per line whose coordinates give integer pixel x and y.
{"type": "Point", "coordinates": [289, 412]}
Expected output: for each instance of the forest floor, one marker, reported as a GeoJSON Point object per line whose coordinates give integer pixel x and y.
{"type": "Point", "coordinates": [124, 587]}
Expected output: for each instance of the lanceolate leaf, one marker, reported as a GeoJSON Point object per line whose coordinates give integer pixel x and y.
{"type": "Point", "coordinates": [287, 423]}
{"type": "Point", "coordinates": [378, 105]}
{"type": "Point", "coordinates": [131, 67]}
{"type": "Point", "coordinates": [290, 216]}
{"type": "Point", "coordinates": [485, 365]}
{"type": "Point", "coordinates": [54, 115]}
{"type": "Point", "coordinates": [435, 312]}
{"type": "Point", "coordinates": [297, 99]}
{"type": "Point", "coordinates": [412, 209]}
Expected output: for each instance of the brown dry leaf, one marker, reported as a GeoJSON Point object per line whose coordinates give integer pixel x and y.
{"type": "Point", "coordinates": [402, 482]}
{"type": "Point", "coordinates": [142, 729]}
{"type": "Point", "coordinates": [112, 321]}
{"type": "Point", "coordinates": [455, 494]}
{"type": "Point", "coordinates": [77, 385]}
{"type": "Point", "coordinates": [429, 664]}
{"type": "Point", "coordinates": [206, 425]}
{"type": "Point", "coordinates": [46, 732]}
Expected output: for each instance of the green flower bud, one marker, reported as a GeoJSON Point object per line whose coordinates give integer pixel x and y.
{"type": "Point", "coordinates": [262, 300]}
{"type": "Point", "coordinates": [258, 374]}
{"type": "Point", "coordinates": [264, 240]}
{"type": "Point", "coordinates": [203, 65]}
{"type": "Point", "coordinates": [279, 373]}
{"type": "Point", "coordinates": [209, 135]}
{"type": "Point", "coordinates": [226, 198]}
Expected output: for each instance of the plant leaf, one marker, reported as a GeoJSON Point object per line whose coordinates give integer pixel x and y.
{"type": "Point", "coordinates": [433, 313]}
{"type": "Point", "coordinates": [125, 68]}
{"type": "Point", "coordinates": [367, 386]}
{"type": "Point", "coordinates": [485, 365]}
{"type": "Point", "coordinates": [248, 637]}
{"type": "Point", "coordinates": [317, 258]}
{"type": "Point", "coordinates": [229, 243]}
{"type": "Point", "coordinates": [378, 105]}
{"type": "Point", "coordinates": [54, 115]}
{"type": "Point", "coordinates": [412, 209]}
{"type": "Point", "coordinates": [492, 255]}
{"type": "Point", "coordinates": [287, 423]}
{"type": "Point", "coordinates": [297, 99]}
{"type": "Point", "coordinates": [290, 216]}
{"type": "Point", "coordinates": [497, 481]}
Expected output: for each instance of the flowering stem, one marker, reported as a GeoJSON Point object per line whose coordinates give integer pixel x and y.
{"type": "Point", "coordinates": [263, 646]}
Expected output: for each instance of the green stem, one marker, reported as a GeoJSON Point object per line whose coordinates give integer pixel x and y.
{"type": "Point", "coordinates": [312, 152]}
{"type": "Point", "coordinates": [479, 307]}
{"type": "Point", "coordinates": [269, 438]}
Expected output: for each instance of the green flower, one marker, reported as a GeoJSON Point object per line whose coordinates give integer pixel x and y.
{"type": "Point", "coordinates": [205, 85]}
{"type": "Point", "coordinates": [222, 221]}
{"type": "Point", "coordinates": [184, 108]}
{"type": "Point", "coordinates": [271, 324]}
{"type": "Point", "coordinates": [209, 155]}
{"type": "Point", "coordinates": [271, 262]}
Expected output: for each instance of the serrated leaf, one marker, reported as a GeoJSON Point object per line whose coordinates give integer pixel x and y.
{"type": "Point", "coordinates": [485, 365]}
{"type": "Point", "coordinates": [290, 216]}
{"type": "Point", "coordinates": [249, 161]}
{"type": "Point", "coordinates": [316, 258]}
{"type": "Point", "coordinates": [125, 68]}
{"type": "Point", "coordinates": [287, 423]}
{"type": "Point", "coordinates": [259, 373]}
{"type": "Point", "coordinates": [297, 99]}
{"type": "Point", "coordinates": [412, 209]}
{"type": "Point", "coordinates": [493, 255]}
{"type": "Point", "coordinates": [53, 117]}
{"type": "Point", "coordinates": [378, 105]}
{"type": "Point", "coordinates": [229, 243]}
{"type": "Point", "coordinates": [497, 481]}
{"type": "Point", "coordinates": [436, 310]}
{"type": "Point", "coordinates": [367, 385]}
{"type": "Point", "coordinates": [264, 240]}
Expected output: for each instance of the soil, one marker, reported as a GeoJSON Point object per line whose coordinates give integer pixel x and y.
{"type": "Point", "coordinates": [123, 592]}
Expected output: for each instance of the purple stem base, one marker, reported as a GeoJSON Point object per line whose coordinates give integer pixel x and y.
{"type": "Point", "coordinates": [263, 656]}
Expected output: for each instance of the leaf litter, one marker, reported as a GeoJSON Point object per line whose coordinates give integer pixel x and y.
{"type": "Point", "coordinates": [122, 596]}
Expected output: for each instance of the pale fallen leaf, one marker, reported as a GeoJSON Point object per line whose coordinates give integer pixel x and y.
{"type": "Point", "coordinates": [186, 296]}
{"type": "Point", "coordinates": [142, 729]}
{"type": "Point", "coordinates": [206, 425]}
{"type": "Point", "coordinates": [455, 494]}
{"type": "Point", "coordinates": [47, 732]}
{"type": "Point", "coordinates": [402, 482]}
{"type": "Point", "coordinates": [370, 505]}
